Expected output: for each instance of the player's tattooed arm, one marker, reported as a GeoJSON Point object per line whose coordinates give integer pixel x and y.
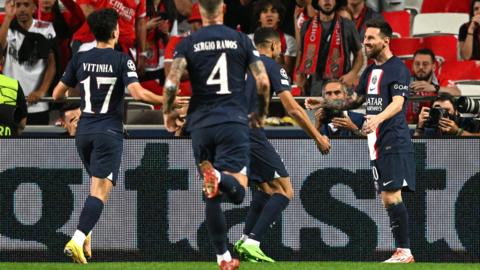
{"type": "Point", "coordinates": [171, 83]}
{"type": "Point", "coordinates": [351, 102]}
{"type": "Point", "coordinates": [263, 86]}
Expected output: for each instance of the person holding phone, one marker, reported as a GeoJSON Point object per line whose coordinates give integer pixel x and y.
{"type": "Point", "coordinates": [469, 36]}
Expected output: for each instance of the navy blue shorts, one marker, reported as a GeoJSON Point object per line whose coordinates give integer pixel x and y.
{"type": "Point", "coordinates": [225, 145]}
{"type": "Point", "coordinates": [394, 171]}
{"type": "Point", "coordinates": [101, 154]}
{"type": "Point", "coordinates": [265, 163]}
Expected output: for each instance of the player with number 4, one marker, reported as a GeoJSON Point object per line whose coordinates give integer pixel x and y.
{"type": "Point", "coordinates": [217, 59]}
{"type": "Point", "coordinates": [102, 74]}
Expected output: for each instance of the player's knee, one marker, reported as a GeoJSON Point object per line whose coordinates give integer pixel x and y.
{"type": "Point", "coordinates": [283, 186]}
{"type": "Point", "coordinates": [391, 198]}
{"type": "Point", "coordinates": [238, 196]}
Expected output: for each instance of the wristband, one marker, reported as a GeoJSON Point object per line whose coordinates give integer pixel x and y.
{"type": "Point", "coordinates": [145, 53]}
{"type": "Point", "coordinates": [471, 34]}
{"type": "Point", "coordinates": [459, 132]}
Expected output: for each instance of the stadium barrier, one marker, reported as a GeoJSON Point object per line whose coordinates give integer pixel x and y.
{"type": "Point", "coordinates": [156, 212]}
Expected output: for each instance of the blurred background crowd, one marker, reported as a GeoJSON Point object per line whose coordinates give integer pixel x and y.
{"type": "Point", "coordinates": [439, 41]}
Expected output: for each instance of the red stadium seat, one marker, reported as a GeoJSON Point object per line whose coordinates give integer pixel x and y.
{"type": "Point", "coordinates": [405, 47]}
{"type": "Point", "coordinates": [459, 71]}
{"type": "Point", "coordinates": [399, 21]}
{"type": "Point", "coordinates": [435, 6]}
{"type": "Point", "coordinates": [444, 47]}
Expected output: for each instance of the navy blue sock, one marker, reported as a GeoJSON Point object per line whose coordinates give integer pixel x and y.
{"type": "Point", "coordinates": [92, 209]}
{"type": "Point", "coordinates": [232, 189]}
{"type": "Point", "coordinates": [217, 227]}
{"type": "Point", "coordinates": [259, 199]}
{"type": "Point", "coordinates": [399, 224]}
{"type": "Point", "coordinates": [270, 213]}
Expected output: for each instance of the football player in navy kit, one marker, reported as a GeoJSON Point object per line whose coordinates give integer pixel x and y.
{"type": "Point", "coordinates": [103, 74]}
{"type": "Point", "coordinates": [384, 86]}
{"type": "Point", "coordinates": [217, 59]}
{"type": "Point", "coordinates": [267, 170]}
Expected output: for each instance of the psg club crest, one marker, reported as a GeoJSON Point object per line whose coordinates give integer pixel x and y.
{"type": "Point", "coordinates": [374, 79]}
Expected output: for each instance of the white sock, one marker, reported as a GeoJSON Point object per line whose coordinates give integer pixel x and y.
{"type": "Point", "coordinates": [407, 251]}
{"type": "Point", "coordinates": [244, 237]}
{"type": "Point", "coordinates": [218, 175]}
{"type": "Point", "coordinates": [224, 257]}
{"type": "Point", "coordinates": [250, 241]}
{"type": "Point", "coordinates": [79, 237]}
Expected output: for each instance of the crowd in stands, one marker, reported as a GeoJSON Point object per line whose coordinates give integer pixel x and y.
{"type": "Point", "coordinates": [321, 41]}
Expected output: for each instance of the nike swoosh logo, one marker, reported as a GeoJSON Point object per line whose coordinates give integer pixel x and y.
{"type": "Point", "coordinates": [386, 183]}
{"type": "Point", "coordinates": [372, 89]}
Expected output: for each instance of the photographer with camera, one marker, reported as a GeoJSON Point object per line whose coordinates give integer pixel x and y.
{"type": "Point", "coordinates": [444, 119]}
{"type": "Point", "coordinates": [335, 122]}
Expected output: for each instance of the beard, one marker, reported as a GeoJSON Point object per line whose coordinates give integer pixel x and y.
{"type": "Point", "coordinates": [373, 52]}
{"type": "Point", "coordinates": [327, 12]}
{"type": "Point", "coordinates": [425, 77]}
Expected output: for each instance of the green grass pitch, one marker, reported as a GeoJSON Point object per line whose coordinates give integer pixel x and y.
{"type": "Point", "coordinates": [246, 266]}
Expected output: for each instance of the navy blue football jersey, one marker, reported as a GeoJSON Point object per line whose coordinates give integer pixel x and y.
{"type": "Point", "coordinates": [217, 61]}
{"type": "Point", "coordinates": [279, 82]}
{"type": "Point", "coordinates": [103, 75]}
{"type": "Point", "coordinates": [380, 84]}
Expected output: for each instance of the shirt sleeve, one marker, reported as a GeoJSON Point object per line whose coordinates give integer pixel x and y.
{"type": "Point", "coordinates": [291, 46]}
{"type": "Point", "coordinates": [353, 37]}
{"type": "Point", "coordinates": [462, 35]}
{"type": "Point", "coordinates": [181, 49]}
{"type": "Point", "coordinates": [141, 11]}
{"type": "Point", "coordinates": [252, 53]}
{"type": "Point", "coordinates": [400, 87]}
{"type": "Point", "coordinates": [170, 49]}
{"type": "Point", "coordinates": [129, 73]}
{"type": "Point", "coordinates": [279, 80]}
{"type": "Point", "coordinates": [21, 112]}
{"type": "Point", "coordinates": [69, 77]}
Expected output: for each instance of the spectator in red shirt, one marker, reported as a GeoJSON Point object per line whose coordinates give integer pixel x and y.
{"type": "Point", "coordinates": [195, 21]}
{"type": "Point", "coordinates": [131, 22]}
{"type": "Point", "coordinates": [65, 24]}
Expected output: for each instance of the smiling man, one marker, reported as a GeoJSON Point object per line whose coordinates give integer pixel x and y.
{"type": "Point", "coordinates": [384, 85]}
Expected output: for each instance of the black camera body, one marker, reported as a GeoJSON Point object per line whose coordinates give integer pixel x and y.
{"type": "Point", "coordinates": [434, 117]}
{"type": "Point", "coordinates": [330, 114]}
{"type": "Point", "coordinates": [468, 105]}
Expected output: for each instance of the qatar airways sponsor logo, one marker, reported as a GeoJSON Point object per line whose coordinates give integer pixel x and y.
{"type": "Point", "coordinates": [374, 104]}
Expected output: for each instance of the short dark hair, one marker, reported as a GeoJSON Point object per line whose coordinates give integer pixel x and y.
{"type": "Point", "coordinates": [264, 35]}
{"type": "Point", "coordinates": [210, 6]}
{"type": "Point", "coordinates": [263, 4]}
{"type": "Point", "coordinates": [425, 51]}
{"type": "Point", "coordinates": [385, 28]}
{"type": "Point", "coordinates": [445, 97]}
{"type": "Point", "coordinates": [102, 23]}
{"type": "Point", "coordinates": [338, 4]}
{"type": "Point", "coordinates": [343, 86]}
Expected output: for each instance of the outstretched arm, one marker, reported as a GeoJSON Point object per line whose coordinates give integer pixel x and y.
{"type": "Point", "coordinates": [141, 94]}
{"type": "Point", "coordinates": [170, 92]}
{"type": "Point", "coordinates": [297, 112]}
{"type": "Point", "coordinates": [351, 102]}
{"type": "Point", "coordinates": [171, 83]}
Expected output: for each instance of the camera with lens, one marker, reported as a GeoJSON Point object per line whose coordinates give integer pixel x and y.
{"type": "Point", "coordinates": [330, 114]}
{"type": "Point", "coordinates": [434, 117]}
{"type": "Point", "coordinates": [468, 105]}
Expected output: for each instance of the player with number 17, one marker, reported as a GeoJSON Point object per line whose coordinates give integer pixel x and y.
{"type": "Point", "coordinates": [102, 74]}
